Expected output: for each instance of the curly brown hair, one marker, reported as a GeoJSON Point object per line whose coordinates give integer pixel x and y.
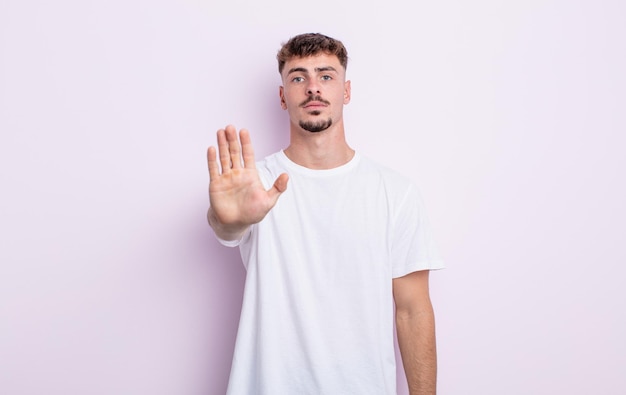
{"type": "Point", "coordinates": [311, 44]}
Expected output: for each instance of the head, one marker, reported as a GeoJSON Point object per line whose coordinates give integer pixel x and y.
{"type": "Point", "coordinates": [313, 70]}
{"type": "Point", "coordinates": [311, 44]}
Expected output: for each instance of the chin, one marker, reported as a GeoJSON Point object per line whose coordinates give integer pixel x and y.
{"type": "Point", "coordinates": [316, 126]}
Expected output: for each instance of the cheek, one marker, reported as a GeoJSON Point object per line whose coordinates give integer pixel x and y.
{"type": "Point", "coordinates": [291, 98]}
{"type": "Point", "coordinates": [340, 97]}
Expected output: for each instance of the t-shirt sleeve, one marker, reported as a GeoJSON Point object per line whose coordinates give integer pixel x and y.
{"type": "Point", "coordinates": [413, 247]}
{"type": "Point", "coordinates": [229, 243]}
{"type": "Point", "coordinates": [236, 242]}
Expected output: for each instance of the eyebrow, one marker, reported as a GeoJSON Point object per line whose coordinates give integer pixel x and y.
{"type": "Point", "coordinates": [317, 69]}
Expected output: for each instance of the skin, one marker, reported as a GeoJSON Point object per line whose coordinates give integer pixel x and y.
{"type": "Point", "coordinates": [314, 92]}
{"type": "Point", "coordinates": [415, 326]}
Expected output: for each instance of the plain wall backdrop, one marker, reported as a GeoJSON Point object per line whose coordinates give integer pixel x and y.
{"type": "Point", "coordinates": [509, 115]}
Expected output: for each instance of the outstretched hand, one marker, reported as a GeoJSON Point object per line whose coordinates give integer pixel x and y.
{"type": "Point", "coordinates": [238, 198]}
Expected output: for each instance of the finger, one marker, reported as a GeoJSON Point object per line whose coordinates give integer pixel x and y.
{"type": "Point", "coordinates": [222, 145]}
{"type": "Point", "coordinates": [280, 186]}
{"type": "Point", "coordinates": [246, 149]}
{"type": "Point", "coordinates": [234, 148]}
{"type": "Point", "coordinates": [214, 171]}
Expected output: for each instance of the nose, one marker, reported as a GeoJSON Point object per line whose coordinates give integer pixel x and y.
{"type": "Point", "coordinates": [313, 88]}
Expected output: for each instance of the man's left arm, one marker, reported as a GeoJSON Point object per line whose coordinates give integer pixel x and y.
{"type": "Point", "coordinates": [415, 325]}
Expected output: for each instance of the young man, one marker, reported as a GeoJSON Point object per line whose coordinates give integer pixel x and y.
{"type": "Point", "coordinates": [325, 262]}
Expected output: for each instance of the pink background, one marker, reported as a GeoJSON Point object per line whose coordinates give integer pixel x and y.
{"type": "Point", "coordinates": [510, 116]}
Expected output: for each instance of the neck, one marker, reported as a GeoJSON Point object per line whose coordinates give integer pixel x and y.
{"type": "Point", "coordinates": [322, 150]}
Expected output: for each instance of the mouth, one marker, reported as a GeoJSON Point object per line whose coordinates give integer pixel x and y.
{"type": "Point", "coordinates": [314, 106]}
{"type": "Point", "coordinates": [315, 103]}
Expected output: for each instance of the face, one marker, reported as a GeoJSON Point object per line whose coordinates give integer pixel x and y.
{"type": "Point", "coordinates": [314, 92]}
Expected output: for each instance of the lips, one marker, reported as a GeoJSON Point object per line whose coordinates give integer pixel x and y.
{"type": "Point", "coordinates": [314, 104]}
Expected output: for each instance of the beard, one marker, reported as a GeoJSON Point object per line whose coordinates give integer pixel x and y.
{"type": "Point", "coordinates": [316, 127]}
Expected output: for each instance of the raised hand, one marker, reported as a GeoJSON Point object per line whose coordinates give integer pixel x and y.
{"type": "Point", "coordinates": [238, 198]}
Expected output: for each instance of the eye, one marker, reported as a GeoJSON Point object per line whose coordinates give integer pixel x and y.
{"type": "Point", "coordinates": [297, 79]}
{"type": "Point", "coordinates": [327, 77]}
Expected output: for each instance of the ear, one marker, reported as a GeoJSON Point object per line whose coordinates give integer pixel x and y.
{"type": "Point", "coordinates": [281, 93]}
{"type": "Point", "coordinates": [347, 92]}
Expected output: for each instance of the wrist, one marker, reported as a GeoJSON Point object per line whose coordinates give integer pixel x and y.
{"type": "Point", "coordinates": [225, 232]}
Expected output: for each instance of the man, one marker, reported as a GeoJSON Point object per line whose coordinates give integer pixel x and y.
{"type": "Point", "coordinates": [325, 262]}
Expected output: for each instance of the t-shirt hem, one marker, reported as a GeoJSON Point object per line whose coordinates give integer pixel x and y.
{"type": "Point", "coordinates": [431, 265]}
{"type": "Point", "coordinates": [229, 243]}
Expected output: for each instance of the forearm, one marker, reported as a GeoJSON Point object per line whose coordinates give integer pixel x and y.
{"type": "Point", "coordinates": [223, 231]}
{"type": "Point", "coordinates": [416, 338]}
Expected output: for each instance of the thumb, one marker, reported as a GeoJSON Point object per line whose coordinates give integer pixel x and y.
{"type": "Point", "coordinates": [280, 185]}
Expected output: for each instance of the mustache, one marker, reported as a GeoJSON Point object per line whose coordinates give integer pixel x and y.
{"type": "Point", "coordinates": [314, 98]}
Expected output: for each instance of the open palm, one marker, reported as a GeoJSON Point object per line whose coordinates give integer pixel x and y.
{"type": "Point", "coordinates": [237, 196]}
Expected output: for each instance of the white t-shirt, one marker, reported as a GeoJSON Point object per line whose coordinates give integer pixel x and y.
{"type": "Point", "coordinates": [317, 314]}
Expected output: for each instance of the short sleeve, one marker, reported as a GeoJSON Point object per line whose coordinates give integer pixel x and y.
{"type": "Point", "coordinates": [237, 242]}
{"type": "Point", "coordinates": [229, 243]}
{"type": "Point", "coordinates": [413, 247]}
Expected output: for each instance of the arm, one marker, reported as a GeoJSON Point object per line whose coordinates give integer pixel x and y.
{"type": "Point", "coordinates": [415, 326]}
{"type": "Point", "coordinates": [237, 196]}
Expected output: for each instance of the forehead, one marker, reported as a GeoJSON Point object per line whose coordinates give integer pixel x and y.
{"type": "Point", "coordinates": [312, 63]}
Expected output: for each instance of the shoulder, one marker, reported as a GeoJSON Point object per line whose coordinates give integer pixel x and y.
{"type": "Point", "coordinates": [269, 161]}
{"type": "Point", "coordinates": [387, 176]}
{"type": "Point", "coordinates": [401, 192]}
{"type": "Point", "coordinates": [269, 168]}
